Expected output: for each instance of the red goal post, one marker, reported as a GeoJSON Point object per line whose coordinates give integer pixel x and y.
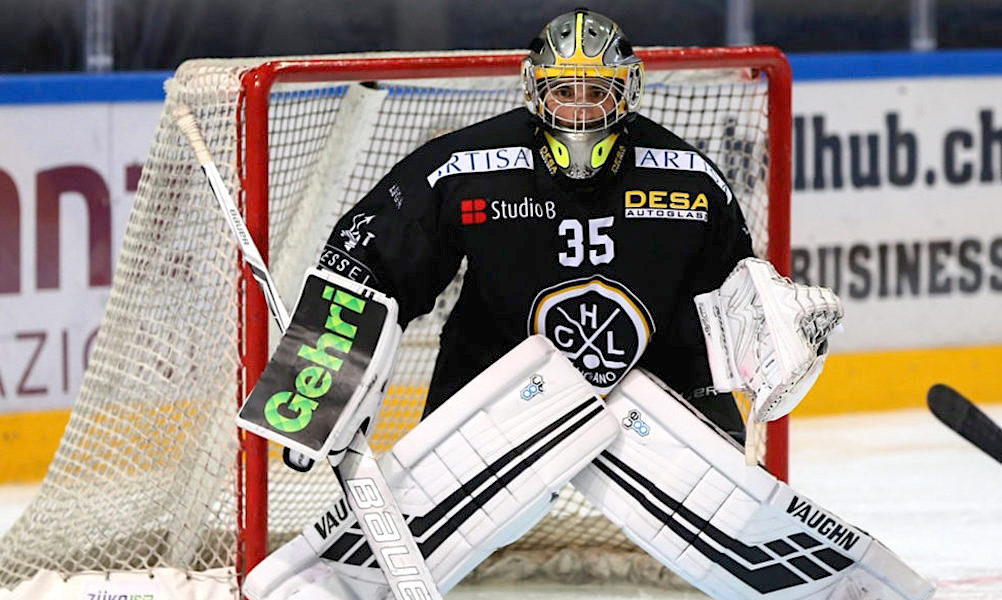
{"type": "Point", "coordinates": [258, 83]}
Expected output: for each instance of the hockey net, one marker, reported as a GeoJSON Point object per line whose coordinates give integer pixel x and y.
{"type": "Point", "coordinates": [151, 472]}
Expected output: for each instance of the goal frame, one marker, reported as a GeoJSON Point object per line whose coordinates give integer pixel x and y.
{"type": "Point", "coordinates": [252, 165]}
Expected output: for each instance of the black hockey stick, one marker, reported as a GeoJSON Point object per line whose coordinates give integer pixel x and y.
{"type": "Point", "coordinates": [962, 416]}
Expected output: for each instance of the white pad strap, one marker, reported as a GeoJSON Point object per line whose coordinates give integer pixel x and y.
{"type": "Point", "coordinates": [679, 488]}
{"type": "Point", "coordinates": [767, 335]}
{"type": "Point", "coordinates": [473, 476]}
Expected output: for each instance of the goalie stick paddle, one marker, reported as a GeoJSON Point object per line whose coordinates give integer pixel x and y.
{"type": "Point", "coordinates": [970, 422]}
{"type": "Point", "coordinates": [361, 480]}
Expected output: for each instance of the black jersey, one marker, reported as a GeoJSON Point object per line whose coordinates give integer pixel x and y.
{"type": "Point", "coordinates": [606, 269]}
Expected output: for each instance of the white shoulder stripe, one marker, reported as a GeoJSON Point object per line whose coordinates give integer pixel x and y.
{"type": "Point", "coordinates": [680, 160]}
{"type": "Point", "coordinates": [479, 161]}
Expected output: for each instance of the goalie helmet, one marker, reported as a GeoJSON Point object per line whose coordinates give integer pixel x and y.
{"type": "Point", "coordinates": [582, 80]}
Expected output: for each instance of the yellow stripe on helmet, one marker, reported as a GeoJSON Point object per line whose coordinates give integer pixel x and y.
{"type": "Point", "coordinates": [575, 70]}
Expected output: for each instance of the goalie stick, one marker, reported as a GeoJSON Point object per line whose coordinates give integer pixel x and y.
{"type": "Point", "coordinates": [189, 127]}
{"type": "Point", "coordinates": [361, 480]}
{"type": "Point", "coordinates": [970, 422]}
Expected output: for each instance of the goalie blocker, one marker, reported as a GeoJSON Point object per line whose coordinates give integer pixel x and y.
{"type": "Point", "coordinates": [473, 476]}
{"type": "Point", "coordinates": [679, 488]}
{"type": "Point", "coordinates": [327, 377]}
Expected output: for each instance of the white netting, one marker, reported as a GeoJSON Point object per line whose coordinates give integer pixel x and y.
{"type": "Point", "coordinates": [146, 475]}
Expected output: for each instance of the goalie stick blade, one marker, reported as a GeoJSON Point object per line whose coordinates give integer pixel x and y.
{"type": "Point", "coordinates": [961, 415]}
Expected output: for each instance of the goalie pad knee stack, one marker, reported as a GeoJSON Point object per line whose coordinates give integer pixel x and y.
{"type": "Point", "coordinates": [475, 475]}
{"type": "Point", "coordinates": [680, 490]}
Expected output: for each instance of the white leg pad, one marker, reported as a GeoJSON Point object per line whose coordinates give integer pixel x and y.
{"type": "Point", "coordinates": [680, 489]}
{"type": "Point", "coordinates": [473, 476]}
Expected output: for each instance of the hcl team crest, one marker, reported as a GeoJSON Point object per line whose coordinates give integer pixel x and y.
{"type": "Point", "coordinates": [597, 323]}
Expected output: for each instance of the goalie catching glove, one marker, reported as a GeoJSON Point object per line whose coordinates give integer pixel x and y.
{"type": "Point", "coordinates": [767, 335]}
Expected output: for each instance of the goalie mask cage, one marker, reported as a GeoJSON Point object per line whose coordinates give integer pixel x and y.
{"type": "Point", "coordinates": [151, 472]}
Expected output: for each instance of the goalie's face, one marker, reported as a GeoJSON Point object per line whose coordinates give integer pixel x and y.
{"type": "Point", "coordinates": [586, 104]}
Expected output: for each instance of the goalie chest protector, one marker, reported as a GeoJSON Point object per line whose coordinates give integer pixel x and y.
{"type": "Point", "coordinates": [603, 267]}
